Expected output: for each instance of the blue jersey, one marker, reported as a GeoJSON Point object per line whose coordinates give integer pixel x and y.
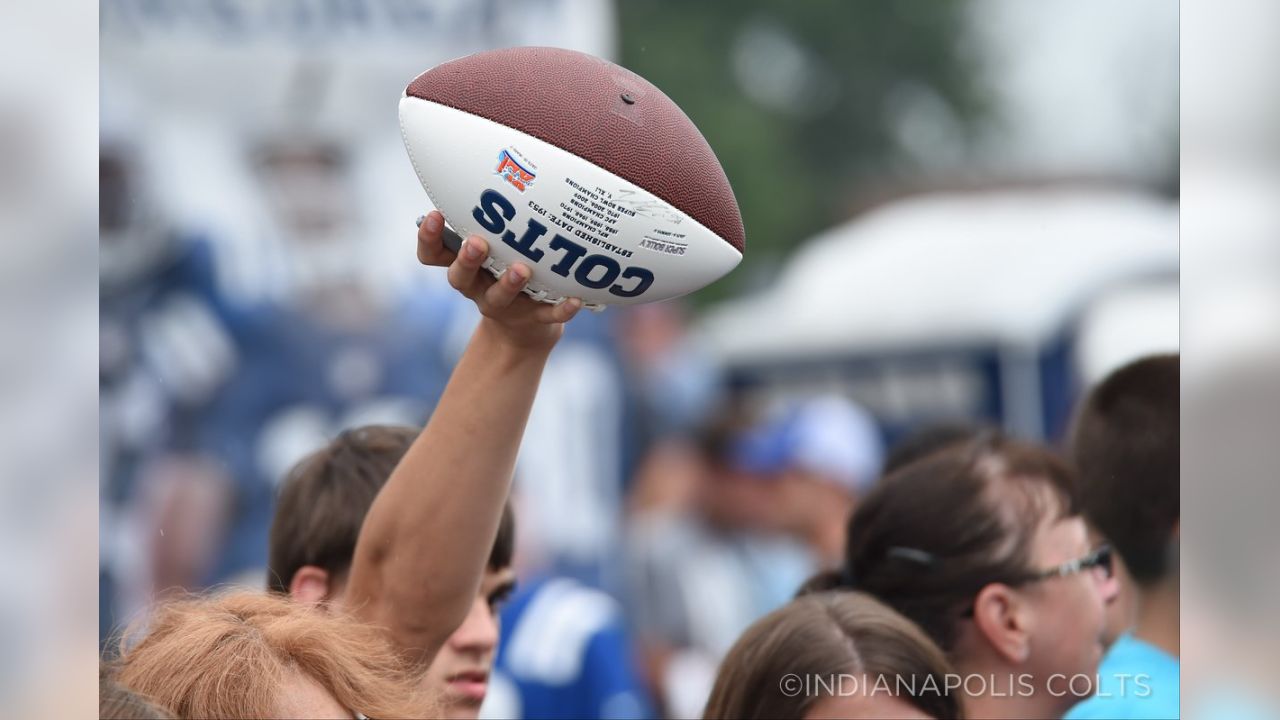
{"type": "Point", "coordinates": [564, 653]}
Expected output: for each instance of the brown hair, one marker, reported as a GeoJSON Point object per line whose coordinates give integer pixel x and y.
{"type": "Point", "coordinates": [116, 701]}
{"type": "Point", "coordinates": [227, 656]}
{"type": "Point", "coordinates": [937, 531]}
{"type": "Point", "coordinates": [1126, 444]}
{"type": "Point", "coordinates": [825, 635]}
{"type": "Point", "coordinates": [927, 440]}
{"type": "Point", "coordinates": [325, 497]}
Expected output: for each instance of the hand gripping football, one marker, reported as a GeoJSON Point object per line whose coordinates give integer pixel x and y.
{"type": "Point", "coordinates": [577, 167]}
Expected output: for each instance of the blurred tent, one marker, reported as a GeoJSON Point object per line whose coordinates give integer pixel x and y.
{"type": "Point", "coordinates": [1125, 325]}
{"type": "Point", "coordinates": [819, 108]}
{"type": "Point", "coordinates": [951, 305]}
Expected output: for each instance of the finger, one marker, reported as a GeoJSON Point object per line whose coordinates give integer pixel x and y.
{"type": "Point", "coordinates": [465, 272]}
{"type": "Point", "coordinates": [432, 249]}
{"type": "Point", "coordinates": [427, 247]}
{"type": "Point", "coordinates": [508, 287]}
{"type": "Point", "coordinates": [560, 313]}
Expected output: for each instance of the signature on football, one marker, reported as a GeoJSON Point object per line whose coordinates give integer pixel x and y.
{"type": "Point", "coordinates": [647, 206]}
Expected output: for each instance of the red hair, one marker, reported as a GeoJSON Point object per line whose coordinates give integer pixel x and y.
{"type": "Point", "coordinates": [227, 656]}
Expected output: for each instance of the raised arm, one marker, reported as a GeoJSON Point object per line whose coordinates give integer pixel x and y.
{"type": "Point", "coordinates": [422, 549]}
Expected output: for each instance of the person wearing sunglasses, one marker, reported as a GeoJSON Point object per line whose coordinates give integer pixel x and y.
{"type": "Point", "coordinates": [983, 545]}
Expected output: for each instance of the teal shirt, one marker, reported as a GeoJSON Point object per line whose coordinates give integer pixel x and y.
{"type": "Point", "coordinates": [1136, 680]}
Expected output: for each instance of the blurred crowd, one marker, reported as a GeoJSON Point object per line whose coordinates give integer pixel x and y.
{"type": "Point", "coordinates": [643, 491]}
{"type": "Point", "coordinates": [685, 472]}
{"type": "Point", "coordinates": [660, 507]}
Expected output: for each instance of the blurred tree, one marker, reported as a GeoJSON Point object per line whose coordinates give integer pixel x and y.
{"type": "Point", "coordinates": [810, 104]}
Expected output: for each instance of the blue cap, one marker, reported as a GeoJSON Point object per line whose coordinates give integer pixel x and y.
{"type": "Point", "coordinates": [828, 436]}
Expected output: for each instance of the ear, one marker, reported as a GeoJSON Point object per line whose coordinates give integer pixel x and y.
{"type": "Point", "coordinates": [309, 584]}
{"type": "Point", "coordinates": [1005, 621]}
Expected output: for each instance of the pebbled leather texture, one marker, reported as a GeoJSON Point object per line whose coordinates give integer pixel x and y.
{"type": "Point", "coordinates": [575, 102]}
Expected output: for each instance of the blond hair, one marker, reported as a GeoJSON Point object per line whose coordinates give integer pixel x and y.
{"type": "Point", "coordinates": [228, 655]}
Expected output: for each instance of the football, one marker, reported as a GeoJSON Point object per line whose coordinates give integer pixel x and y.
{"type": "Point", "coordinates": [577, 167]}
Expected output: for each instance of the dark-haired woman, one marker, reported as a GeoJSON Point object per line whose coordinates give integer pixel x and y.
{"type": "Point", "coordinates": [983, 546]}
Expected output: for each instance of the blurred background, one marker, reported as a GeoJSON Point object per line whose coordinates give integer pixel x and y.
{"type": "Point", "coordinates": [957, 213]}
{"type": "Point", "coordinates": [994, 187]}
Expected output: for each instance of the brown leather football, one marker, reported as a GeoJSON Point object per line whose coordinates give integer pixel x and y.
{"type": "Point", "coordinates": [622, 209]}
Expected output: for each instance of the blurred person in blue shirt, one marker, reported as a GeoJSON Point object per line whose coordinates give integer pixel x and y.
{"type": "Point", "coordinates": [821, 454]}
{"type": "Point", "coordinates": [1125, 443]}
{"type": "Point", "coordinates": [166, 351]}
{"type": "Point", "coordinates": [325, 342]}
{"type": "Point", "coordinates": [305, 375]}
{"type": "Point", "coordinates": [768, 508]}
{"type": "Point", "coordinates": [673, 381]}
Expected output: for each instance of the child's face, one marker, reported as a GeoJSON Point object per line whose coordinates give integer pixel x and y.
{"type": "Point", "coordinates": [459, 675]}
